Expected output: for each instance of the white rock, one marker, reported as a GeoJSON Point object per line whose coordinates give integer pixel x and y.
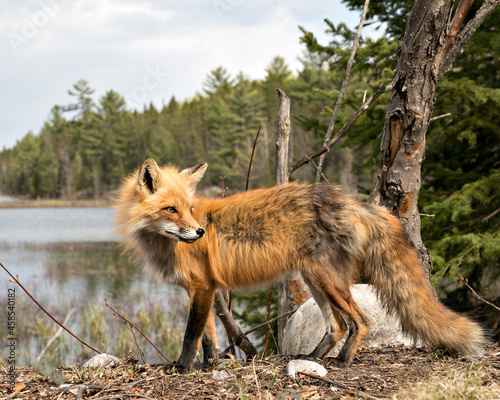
{"type": "Point", "coordinates": [103, 360]}
{"type": "Point", "coordinates": [295, 366]}
{"type": "Point", "coordinates": [221, 375]}
{"type": "Point", "coordinates": [306, 327]}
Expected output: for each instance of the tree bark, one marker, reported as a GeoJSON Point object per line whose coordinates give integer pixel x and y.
{"type": "Point", "coordinates": [427, 42]}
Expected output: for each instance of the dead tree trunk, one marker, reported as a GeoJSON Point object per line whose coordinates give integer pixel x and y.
{"type": "Point", "coordinates": [292, 292]}
{"type": "Point", "coordinates": [430, 40]}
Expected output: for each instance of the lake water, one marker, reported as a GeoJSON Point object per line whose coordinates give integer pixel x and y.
{"type": "Point", "coordinates": [55, 225]}
{"type": "Point", "coordinates": [67, 258]}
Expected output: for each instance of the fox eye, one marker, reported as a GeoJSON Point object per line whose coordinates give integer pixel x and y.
{"type": "Point", "coordinates": [171, 210]}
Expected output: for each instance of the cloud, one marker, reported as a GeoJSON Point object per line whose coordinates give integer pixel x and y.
{"type": "Point", "coordinates": [48, 45]}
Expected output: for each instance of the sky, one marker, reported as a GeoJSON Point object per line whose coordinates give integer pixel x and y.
{"type": "Point", "coordinates": [146, 50]}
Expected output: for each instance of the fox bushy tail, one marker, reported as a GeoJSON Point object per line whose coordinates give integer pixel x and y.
{"type": "Point", "coordinates": [394, 268]}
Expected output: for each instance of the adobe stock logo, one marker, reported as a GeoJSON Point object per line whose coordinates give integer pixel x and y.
{"type": "Point", "coordinates": [31, 26]}
{"type": "Point", "coordinates": [222, 7]}
{"type": "Point", "coordinates": [151, 80]}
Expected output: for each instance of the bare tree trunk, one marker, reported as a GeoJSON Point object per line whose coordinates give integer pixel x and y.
{"type": "Point", "coordinates": [427, 41]}
{"type": "Point", "coordinates": [292, 292]}
{"type": "Point", "coordinates": [282, 139]}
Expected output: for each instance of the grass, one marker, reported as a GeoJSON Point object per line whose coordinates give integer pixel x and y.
{"type": "Point", "coordinates": [95, 323]}
{"type": "Point", "coordinates": [55, 203]}
{"type": "Point", "coordinates": [468, 383]}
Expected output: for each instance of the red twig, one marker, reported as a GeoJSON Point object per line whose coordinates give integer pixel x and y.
{"type": "Point", "coordinates": [16, 280]}
{"type": "Point", "coordinates": [222, 192]}
{"type": "Point", "coordinates": [465, 282]}
{"type": "Point", "coordinates": [132, 325]}
{"type": "Point", "coordinates": [248, 179]}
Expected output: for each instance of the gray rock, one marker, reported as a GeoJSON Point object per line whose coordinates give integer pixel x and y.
{"type": "Point", "coordinates": [306, 327]}
{"type": "Point", "coordinates": [103, 360]}
{"type": "Point", "coordinates": [295, 366]}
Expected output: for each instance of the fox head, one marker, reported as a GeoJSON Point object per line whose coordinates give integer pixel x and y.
{"type": "Point", "coordinates": [166, 200]}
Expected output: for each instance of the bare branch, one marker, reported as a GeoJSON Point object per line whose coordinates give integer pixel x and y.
{"type": "Point", "coordinates": [268, 318]}
{"type": "Point", "coordinates": [465, 282]}
{"type": "Point", "coordinates": [382, 89]}
{"type": "Point", "coordinates": [336, 110]}
{"type": "Point", "coordinates": [288, 313]}
{"type": "Point", "coordinates": [443, 116]}
{"type": "Point", "coordinates": [486, 9]}
{"type": "Point", "coordinates": [16, 280]}
{"type": "Point", "coordinates": [132, 325]}
{"type": "Point", "coordinates": [458, 19]}
{"type": "Point", "coordinates": [53, 339]}
{"type": "Point", "coordinates": [255, 141]}
{"type": "Point", "coordinates": [231, 327]}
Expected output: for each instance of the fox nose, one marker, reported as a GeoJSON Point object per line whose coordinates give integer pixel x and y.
{"type": "Point", "coordinates": [200, 232]}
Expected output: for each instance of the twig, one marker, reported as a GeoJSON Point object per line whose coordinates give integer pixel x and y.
{"type": "Point", "coordinates": [472, 221]}
{"type": "Point", "coordinates": [267, 319]}
{"type": "Point", "coordinates": [269, 322]}
{"type": "Point", "coordinates": [340, 385]}
{"type": "Point", "coordinates": [320, 171]}
{"type": "Point", "coordinates": [222, 177]}
{"type": "Point", "coordinates": [459, 17]}
{"type": "Point", "coordinates": [336, 110]}
{"type": "Point", "coordinates": [262, 325]}
{"type": "Point", "coordinates": [138, 330]}
{"type": "Point", "coordinates": [465, 282]}
{"type": "Point", "coordinates": [381, 90]}
{"type": "Point", "coordinates": [141, 353]}
{"type": "Point", "coordinates": [199, 387]}
{"type": "Point", "coordinates": [460, 262]}
{"type": "Point", "coordinates": [53, 339]}
{"type": "Point", "coordinates": [255, 141]}
{"type": "Point", "coordinates": [16, 280]}
{"type": "Point", "coordinates": [428, 215]}
{"type": "Point", "coordinates": [444, 116]}
{"type": "Point", "coordinates": [485, 219]}
{"type": "Point", "coordinates": [464, 36]}
{"type": "Point", "coordinates": [119, 396]}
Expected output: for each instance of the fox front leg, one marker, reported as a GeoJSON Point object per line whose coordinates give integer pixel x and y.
{"type": "Point", "coordinates": [209, 342]}
{"type": "Point", "coordinates": [199, 311]}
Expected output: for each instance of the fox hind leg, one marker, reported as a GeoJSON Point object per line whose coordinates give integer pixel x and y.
{"type": "Point", "coordinates": [346, 312]}
{"type": "Point", "coordinates": [358, 329]}
{"type": "Point", "coordinates": [334, 323]}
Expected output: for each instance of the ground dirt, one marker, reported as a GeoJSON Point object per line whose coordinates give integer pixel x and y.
{"type": "Point", "coordinates": [384, 372]}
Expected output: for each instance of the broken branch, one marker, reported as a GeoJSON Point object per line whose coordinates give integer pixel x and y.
{"type": "Point", "coordinates": [381, 90]}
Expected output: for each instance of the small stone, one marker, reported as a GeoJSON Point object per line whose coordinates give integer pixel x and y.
{"type": "Point", "coordinates": [295, 366]}
{"type": "Point", "coordinates": [103, 360]}
{"type": "Point", "coordinates": [221, 375]}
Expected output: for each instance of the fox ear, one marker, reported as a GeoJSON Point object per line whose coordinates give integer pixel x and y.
{"type": "Point", "coordinates": [149, 176]}
{"type": "Point", "coordinates": [194, 174]}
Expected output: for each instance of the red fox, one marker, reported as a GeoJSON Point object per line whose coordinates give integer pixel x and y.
{"type": "Point", "coordinates": [258, 236]}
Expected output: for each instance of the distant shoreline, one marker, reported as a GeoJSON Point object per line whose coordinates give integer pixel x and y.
{"type": "Point", "coordinates": [54, 203]}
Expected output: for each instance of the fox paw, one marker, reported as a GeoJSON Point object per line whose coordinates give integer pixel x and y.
{"type": "Point", "coordinates": [172, 368]}
{"type": "Point", "coordinates": [336, 362]}
{"type": "Point", "coordinates": [306, 357]}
